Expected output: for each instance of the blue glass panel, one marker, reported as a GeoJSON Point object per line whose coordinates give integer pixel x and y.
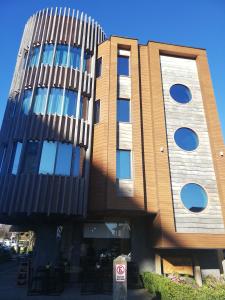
{"type": "Point", "coordinates": [34, 56]}
{"type": "Point", "coordinates": [123, 110]}
{"type": "Point", "coordinates": [180, 93]}
{"type": "Point", "coordinates": [61, 55]}
{"type": "Point", "coordinates": [76, 163]}
{"type": "Point", "coordinates": [123, 164]}
{"type": "Point", "coordinates": [70, 103]}
{"type": "Point", "coordinates": [18, 149]}
{"type": "Point", "coordinates": [40, 101]}
{"type": "Point", "coordinates": [26, 101]}
{"type": "Point", "coordinates": [48, 155]}
{"type": "Point", "coordinates": [47, 55]}
{"type": "Point", "coordinates": [55, 102]}
{"type": "Point", "coordinates": [186, 139]}
{"type": "Point", "coordinates": [75, 54]}
{"type": "Point", "coordinates": [30, 157]}
{"type": "Point", "coordinates": [194, 197]}
{"type": "Point", "coordinates": [63, 160]}
{"type": "Point", "coordinates": [123, 65]}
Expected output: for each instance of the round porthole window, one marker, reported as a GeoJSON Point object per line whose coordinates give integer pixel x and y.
{"type": "Point", "coordinates": [186, 139]}
{"type": "Point", "coordinates": [194, 197]}
{"type": "Point", "coordinates": [180, 93]}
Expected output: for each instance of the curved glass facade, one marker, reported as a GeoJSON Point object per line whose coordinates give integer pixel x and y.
{"type": "Point", "coordinates": [55, 101]}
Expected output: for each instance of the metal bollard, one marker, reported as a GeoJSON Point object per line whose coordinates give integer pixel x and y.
{"type": "Point", "coordinates": [120, 278]}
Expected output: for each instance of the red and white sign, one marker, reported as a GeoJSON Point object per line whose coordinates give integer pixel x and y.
{"type": "Point", "coordinates": [120, 272]}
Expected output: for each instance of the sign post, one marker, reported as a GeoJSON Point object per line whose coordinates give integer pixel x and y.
{"type": "Point", "coordinates": [120, 278]}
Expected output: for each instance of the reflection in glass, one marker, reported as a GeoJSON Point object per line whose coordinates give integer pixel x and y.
{"type": "Point", "coordinates": [33, 61]}
{"type": "Point", "coordinates": [123, 65]}
{"type": "Point", "coordinates": [123, 164]}
{"type": "Point", "coordinates": [55, 102]}
{"type": "Point", "coordinates": [75, 56]}
{"type": "Point", "coordinates": [194, 197]}
{"type": "Point", "coordinates": [123, 110]}
{"type": "Point", "coordinates": [17, 150]}
{"type": "Point", "coordinates": [40, 101]}
{"type": "Point", "coordinates": [63, 160]}
{"type": "Point", "coordinates": [186, 139]}
{"type": "Point", "coordinates": [98, 72]}
{"type": "Point", "coordinates": [26, 101]}
{"type": "Point", "coordinates": [48, 158]}
{"type": "Point", "coordinates": [61, 55]}
{"type": "Point", "coordinates": [96, 111]}
{"type": "Point", "coordinates": [47, 55]}
{"type": "Point", "coordinates": [180, 93]}
{"type": "Point", "coordinates": [30, 157]}
{"type": "Point", "coordinates": [107, 230]}
{"type": "Point", "coordinates": [70, 103]}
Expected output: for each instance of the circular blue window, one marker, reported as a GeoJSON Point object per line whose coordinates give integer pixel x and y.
{"type": "Point", "coordinates": [180, 93]}
{"type": "Point", "coordinates": [186, 139]}
{"type": "Point", "coordinates": [194, 197]}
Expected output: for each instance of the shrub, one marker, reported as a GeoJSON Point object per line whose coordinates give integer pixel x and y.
{"type": "Point", "coordinates": [169, 290]}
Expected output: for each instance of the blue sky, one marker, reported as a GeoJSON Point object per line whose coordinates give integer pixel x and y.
{"type": "Point", "coordinates": [198, 23]}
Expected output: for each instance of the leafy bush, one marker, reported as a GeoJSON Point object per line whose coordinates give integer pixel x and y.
{"type": "Point", "coordinates": [169, 290]}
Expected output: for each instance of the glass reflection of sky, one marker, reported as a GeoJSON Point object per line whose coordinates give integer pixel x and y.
{"type": "Point", "coordinates": [180, 93]}
{"type": "Point", "coordinates": [194, 197]}
{"type": "Point", "coordinates": [186, 139]}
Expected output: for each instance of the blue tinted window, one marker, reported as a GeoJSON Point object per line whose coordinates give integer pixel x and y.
{"type": "Point", "coordinates": [17, 153]}
{"type": "Point", "coordinates": [40, 101]}
{"type": "Point", "coordinates": [75, 54]}
{"type": "Point", "coordinates": [194, 197]}
{"type": "Point", "coordinates": [30, 157]}
{"type": "Point", "coordinates": [55, 102]}
{"type": "Point", "coordinates": [97, 111]}
{"type": "Point", "coordinates": [63, 160]}
{"type": "Point", "coordinates": [180, 93]}
{"type": "Point", "coordinates": [61, 55]}
{"type": "Point", "coordinates": [76, 163]}
{"type": "Point", "coordinates": [99, 67]}
{"type": "Point", "coordinates": [123, 65]}
{"type": "Point", "coordinates": [47, 55]}
{"type": "Point", "coordinates": [26, 101]}
{"type": "Point", "coordinates": [186, 139]}
{"type": "Point", "coordinates": [123, 164]}
{"type": "Point", "coordinates": [48, 158]}
{"type": "Point", "coordinates": [70, 103]}
{"type": "Point", "coordinates": [123, 110]}
{"type": "Point", "coordinates": [34, 54]}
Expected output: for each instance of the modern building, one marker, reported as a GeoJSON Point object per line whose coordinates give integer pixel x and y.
{"type": "Point", "coordinates": [113, 145]}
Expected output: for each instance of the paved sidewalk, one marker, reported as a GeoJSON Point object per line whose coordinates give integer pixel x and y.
{"type": "Point", "coordinates": [10, 291]}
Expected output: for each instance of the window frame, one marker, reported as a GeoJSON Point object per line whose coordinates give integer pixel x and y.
{"type": "Point", "coordinates": [99, 111]}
